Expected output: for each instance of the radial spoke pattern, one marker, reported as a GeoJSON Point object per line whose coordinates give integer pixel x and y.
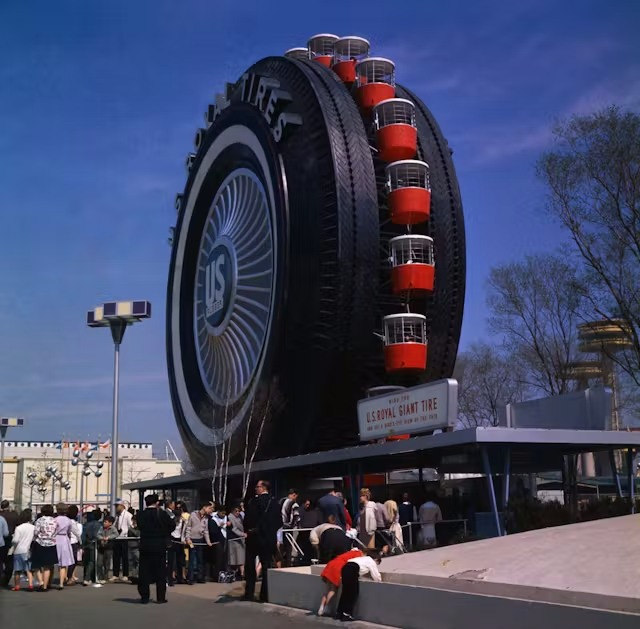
{"type": "Point", "coordinates": [229, 353]}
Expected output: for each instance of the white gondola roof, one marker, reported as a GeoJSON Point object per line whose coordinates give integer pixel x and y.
{"type": "Point", "coordinates": [411, 237]}
{"type": "Point", "coordinates": [324, 36]}
{"type": "Point", "coordinates": [379, 59]}
{"type": "Point", "coordinates": [405, 315]}
{"type": "Point", "coordinates": [365, 45]}
{"type": "Point", "coordinates": [416, 162]}
{"type": "Point", "coordinates": [395, 100]}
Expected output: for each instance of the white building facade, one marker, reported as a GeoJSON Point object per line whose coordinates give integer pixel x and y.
{"type": "Point", "coordinates": [136, 462]}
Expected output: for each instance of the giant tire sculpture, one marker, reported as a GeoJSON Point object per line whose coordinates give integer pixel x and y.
{"type": "Point", "coordinates": [277, 281]}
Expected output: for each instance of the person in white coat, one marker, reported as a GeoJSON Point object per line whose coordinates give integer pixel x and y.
{"type": "Point", "coordinates": [121, 545]}
{"type": "Point", "coordinates": [429, 515]}
{"type": "Point", "coordinates": [21, 549]}
{"type": "Point", "coordinates": [367, 524]}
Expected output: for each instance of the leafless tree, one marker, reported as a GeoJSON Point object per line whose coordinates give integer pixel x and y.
{"type": "Point", "coordinates": [593, 179]}
{"type": "Point", "coordinates": [258, 417]}
{"type": "Point", "coordinates": [535, 307]}
{"type": "Point", "coordinates": [131, 475]}
{"type": "Point", "coordinates": [252, 443]}
{"type": "Point", "coordinates": [487, 380]}
{"type": "Point", "coordinates": [221, 454]}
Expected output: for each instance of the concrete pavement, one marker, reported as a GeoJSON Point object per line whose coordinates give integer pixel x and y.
{"type": "Point", "coordinates": [116, 605]}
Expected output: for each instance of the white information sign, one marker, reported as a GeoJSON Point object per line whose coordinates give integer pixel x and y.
{"type": "Point", "coordinates": [417, 409]}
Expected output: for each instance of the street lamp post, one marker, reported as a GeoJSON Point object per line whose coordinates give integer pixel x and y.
{"type": "Point", "coordinates": [56, 477]}
{"type": "Point", "coordinates": [117, 316]}
{"type": "Point", "coordinates": [32, 481]}
{"type": "Point", "coordinates": [86, 471]}
{"type": "Point", "coordinates": [5, 424]}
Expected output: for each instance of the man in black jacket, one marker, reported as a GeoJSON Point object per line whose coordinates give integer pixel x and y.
{"type": "Point", "coordinates": [6, 560]}
{"type": "Point", "coordinates": [262, 520]}
{"type": "Point", "coordinates": [155, 527]}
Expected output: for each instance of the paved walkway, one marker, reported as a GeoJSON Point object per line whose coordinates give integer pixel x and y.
{"type": "Point", "coordinates": [117, 605]}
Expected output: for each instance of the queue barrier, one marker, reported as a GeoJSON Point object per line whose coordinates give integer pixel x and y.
{"type": "Point", "coordinates": [409, 526]}
{"type": "Point", "coordinates": [96, 582]}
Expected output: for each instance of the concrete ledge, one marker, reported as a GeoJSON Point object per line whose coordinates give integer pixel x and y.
{"type": "Point", "coordinates": [416, 607]}
{"type": "Point", "coordinates": [510, 590]}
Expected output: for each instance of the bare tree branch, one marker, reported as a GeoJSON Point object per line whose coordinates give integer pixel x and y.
{"type": "Point", "coordinates": [535, 308]}
{"type": "Point", "coordinates": [487, 381]}
{"type": "Point", "coordinates": [593, 178]}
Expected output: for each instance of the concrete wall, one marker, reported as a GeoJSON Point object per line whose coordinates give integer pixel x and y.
{"type": "Point", "coordinates": [582, 410]}
{"type": "Point", "coordinates": [413, 607]}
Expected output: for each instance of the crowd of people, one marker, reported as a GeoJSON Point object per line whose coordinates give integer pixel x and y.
{"type": "Point", "coordinates": [167, 544]}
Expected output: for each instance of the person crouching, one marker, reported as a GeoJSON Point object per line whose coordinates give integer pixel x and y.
{"type": "Point", "coordinates": [352, 570]}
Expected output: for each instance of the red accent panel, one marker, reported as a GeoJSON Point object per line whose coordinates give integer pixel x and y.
{"type": "Point", "coordinates": [373, 480]}
{"type": "Point", "coordinates": [402, 356]}
{"type": "Point", "coordinates": [397, 141]}
{"type": "Point", "coordinates": [373, 93]}
{"type": "Point", "coordinates": [409, 206]}
{"type": "Point", "coordinates": [325, 60]}
{"type": "Point", "coordinates": [398, 437]}
{"type": "Point", "coordinates": [346, 70]}
{"type": "Point", "coordinates": [406, 277]}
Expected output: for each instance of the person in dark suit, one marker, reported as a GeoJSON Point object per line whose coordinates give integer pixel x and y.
{"type": "Point", "coordinates": [261, 523]}
{"type": "Point", "coordinates": [155, 527]}
{"type": "Point", "coordinates": [332, 504]}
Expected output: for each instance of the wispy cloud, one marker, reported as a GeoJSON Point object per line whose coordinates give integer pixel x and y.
{"type": "Point", "coordinates": [623, 90]}
{"type": "Point", "coordinates": [492, 144]}
{"type": "Point", "coordinates": [82, 383]}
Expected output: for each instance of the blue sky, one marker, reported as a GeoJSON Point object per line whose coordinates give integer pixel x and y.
{"type": "Point", "coordinates": [99, 102]}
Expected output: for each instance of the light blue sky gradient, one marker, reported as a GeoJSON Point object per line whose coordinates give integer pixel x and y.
{"type": "Point", "coordinates": [99, 102]}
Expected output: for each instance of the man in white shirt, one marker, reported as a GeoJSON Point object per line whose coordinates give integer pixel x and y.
{"type": "Point", "coordinates": [120, 545]}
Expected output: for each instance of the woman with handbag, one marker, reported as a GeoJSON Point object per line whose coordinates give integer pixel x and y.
{"type": "Point", "coordinates": [44, 554]}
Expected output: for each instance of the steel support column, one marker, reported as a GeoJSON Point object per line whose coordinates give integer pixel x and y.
{"type": "Point", "coordinates": [506, 481]}
{"type": "Point", "coordinates": [353, 491]}
{"type": "Point", "coordinates": [614, 471]}
{"type": "Point", "coordinates": [3, 434]}
{"type": "Point", "coordinates": [490, 487]}
{"type": "Point", "coordinates": [631, 479]}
